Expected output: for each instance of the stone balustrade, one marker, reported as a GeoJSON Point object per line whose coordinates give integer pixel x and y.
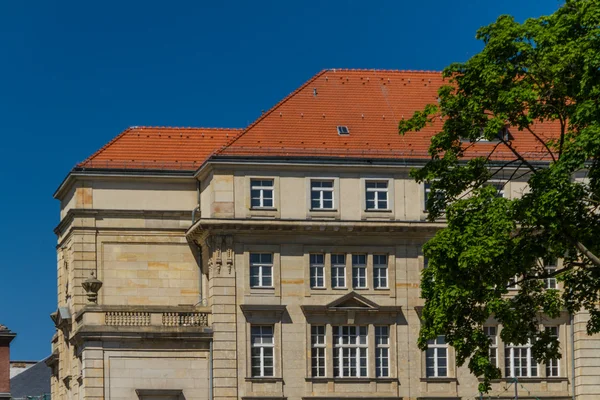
{"type": "Point", "coordinates": [144, 316]}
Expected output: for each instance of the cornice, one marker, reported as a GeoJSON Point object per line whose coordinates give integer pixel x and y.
{"type": "Point", "coordinates": [108, 213]}
{"type": "Point", "coordinates": [204, 226]}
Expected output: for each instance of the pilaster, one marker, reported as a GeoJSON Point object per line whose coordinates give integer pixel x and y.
{"type": "Point", "coordinates": [222, 299]}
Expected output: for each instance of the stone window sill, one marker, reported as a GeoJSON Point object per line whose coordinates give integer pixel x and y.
{"type": "Point", "coordinates": [533, 379]}
{"type": "Point", "coordinates": [349, 380]}
{"type": "Point", "coordinates": [441, 379]}
{"type": "Point", "coordinates": [263, 379]}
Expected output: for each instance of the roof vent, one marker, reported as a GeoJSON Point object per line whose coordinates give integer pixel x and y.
{"type": "Point", "coordinates": [343, 130]}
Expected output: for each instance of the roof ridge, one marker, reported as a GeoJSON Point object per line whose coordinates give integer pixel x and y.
{"type": "Point", "coordinates": [423, 71]}
{"type": "Point", "coordinates": [270, 111]}
{"type": "Point", "coordinates": [186, 128]}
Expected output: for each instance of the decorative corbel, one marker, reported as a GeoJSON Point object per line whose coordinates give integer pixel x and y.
{"type": "Point", "coordinates": [229, 246]}
{"type": "Point", "coordinates": [218, 253]}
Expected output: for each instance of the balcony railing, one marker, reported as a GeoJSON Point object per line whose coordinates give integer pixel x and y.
{"type": "Point", "coordinates": [144, 316]}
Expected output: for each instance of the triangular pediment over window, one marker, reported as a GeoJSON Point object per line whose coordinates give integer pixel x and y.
{"type": "Point", "coordinates": [353, 301]}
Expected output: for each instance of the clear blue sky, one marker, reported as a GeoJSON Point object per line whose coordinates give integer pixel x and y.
{"type": "Point", "coordinates": [73, 74]}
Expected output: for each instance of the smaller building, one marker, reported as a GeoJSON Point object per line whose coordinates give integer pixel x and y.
{"type": "Point", "coordinates": [18, 366]}
{"type": "Point", "coordinates": [33, 382]}
{"type": "Point", "coordinates": [6, 336]}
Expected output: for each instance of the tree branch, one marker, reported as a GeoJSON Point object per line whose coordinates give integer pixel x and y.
{"type": "Point", "coordinates": [542, 142]}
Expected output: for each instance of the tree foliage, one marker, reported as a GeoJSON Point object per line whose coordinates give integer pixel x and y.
{"type": "Point", "coordinates": [529, 76]}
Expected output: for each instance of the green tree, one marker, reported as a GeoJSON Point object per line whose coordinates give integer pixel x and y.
{"type": "Point", "coordinates": [529, 76]}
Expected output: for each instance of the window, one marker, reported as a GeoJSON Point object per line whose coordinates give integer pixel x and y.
{"type": "Point", "coordinates": [343, 130]}
{"type": "Point", "coordinates": [491, 332]}
{"type": "Point", "coordinates": [382, 351]}
{"type": "Point", "coordinates": [550, 268]}
{"type": "Point", "coordinates": [518, 361]}
{"type": "Point", "coordinates": [261, 270]}
{"type": "Point", "coordinates": [262, 351]}
{"type": "Point", "coordinates": [380, 271]}
{"type": "Point", "coordinates": [437, 358]}
{"type": "Point", "coordinates": [377, 195]}
{"type": "Point", "coordinates": [317, 271]}
{"type": "Point", "coordinates": [350, 351]}
{"type": "Point", "coordinates": [338, 270]}
{"type": "Point", "coordinates": [552, 369]}
{"type": "Point", "coordinates": [499, 188]}
{"type": "Point", "coordinates": [261, 192]}
{"type": "Point", "coordinates": [512, 283]}
{"type": "Point", "coordinates": [359, 271]}
{"type": "Point", "coordinates": [428, 193]}
{"type": "Point", "coordinates": [321, 195]}
{"type": "Point", "coordinates": [317, 341]}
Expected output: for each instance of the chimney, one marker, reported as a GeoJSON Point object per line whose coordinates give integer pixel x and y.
{"type": "Point", "coordinates": [6, 336]}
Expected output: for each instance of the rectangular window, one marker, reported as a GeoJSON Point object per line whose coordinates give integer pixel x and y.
{"type": "Point", "coordinates": [359, 271]}
{"type": "Point", "coordinates": [550, 268]}
{"type": "Point", "coordinates": [491, 332]}
{"type": "Point", "coordinates": [552, 369]}
{"type": "Point", "coordinates": [317, 271]}
{"type": "Point", "coordinates": [382, 351]}
{"type": "Point", "coordinates": [317, 341]}
{"type": "Point", "coordinates": [338, 270]}
{"type": "Point", "coordinates": [377, 195]}
{"type": "Point", "coordinates": [512, 283]}
{"type": "Point", "coordinates": [262, 350]}
{"type": "Point", "coordinates": [380, 271]}
{"type": "Point", "coordinates": [321, 195]}
{"type": "Point", "coordinates": [261, 270]}
{"type": "Point", "coordinates": [350, 351]}
{"type": "Point", "coordinates": [518, 361]}
{"type": "Point", "coordinates": [428, 193]}
{"type": "Point", "coordinates": [499, 188]}
{"type": "Point", "coordinates": [437, 358]}
{"type": "Point", "coordinates": [261, 192]}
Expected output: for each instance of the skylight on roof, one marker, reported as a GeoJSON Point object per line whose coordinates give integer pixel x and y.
{"type": "Point", "coordinates": [343, 130]}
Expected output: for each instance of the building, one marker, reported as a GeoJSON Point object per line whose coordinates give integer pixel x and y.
{"type": "Point", "coordinates": [278, 261]}
{"type": "Point", "coordinates": [30, 380]}
{"type": "Point", "coordinates": [6, 336]}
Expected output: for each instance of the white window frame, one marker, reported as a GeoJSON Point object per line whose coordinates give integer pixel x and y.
{"type": "Point", "coordinates": [492, 333]}
{"type": "Point", "coordinates": [553, 366]}
{"type": "Point", "coordinates": [514, 285]}
{"type": "Point", "coordinates": [356, 348]}
{"type": "Point", "coordinates": [263, 347]}
{"type": "Point", "coordinates": [317, 270]}
{"type": "Point", "coordinates": [321, 190]}
{"type": "Point", "coordinates": [509, 361]}
{"type": "Point", "coordinates": [499, 186]}
{"type": "Point", "coordinates": [261, 267]}
{"type": "Point", "coordinates": [382, 351]}
{"type": "Point", "coordinates": [262, 191]}
{"type": "Point", "coordinates": [359, 272]}
{"type": "Point", "coordinates": [551, 282]}
{"type": "Point", "coordinates": [376, 196]}
{"type": "Point", "coordinates": [436, 350]}
{"type": "Point", "coordinates": [318, 359]}
{"type": "Point", "coordinates": [338, 271]}
{"type": "Point", "coordinates": [380, 271]}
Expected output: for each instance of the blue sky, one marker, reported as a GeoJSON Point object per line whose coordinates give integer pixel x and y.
{"type": "Point", "coordinates": [73, 74]}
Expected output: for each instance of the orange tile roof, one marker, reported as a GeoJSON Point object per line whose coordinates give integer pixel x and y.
{"type": "Point", "coordinates": [370, 103]}
{"type": "Point", "coordinates": [164, 148]}
{"type": "Point", "coordinates": [304, 124]}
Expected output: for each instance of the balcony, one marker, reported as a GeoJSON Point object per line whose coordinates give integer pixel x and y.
{"type": "Point", "coordinates": [184, 322]}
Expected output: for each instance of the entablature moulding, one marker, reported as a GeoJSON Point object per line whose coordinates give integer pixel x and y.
{"type": "Point", "coordinates": [206, 227]}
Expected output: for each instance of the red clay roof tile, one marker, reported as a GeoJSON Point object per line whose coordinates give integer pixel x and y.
{"type": "Point", "coordinates": [370, 103]}
{"type": "Point", "coordinates": [164, 148]}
